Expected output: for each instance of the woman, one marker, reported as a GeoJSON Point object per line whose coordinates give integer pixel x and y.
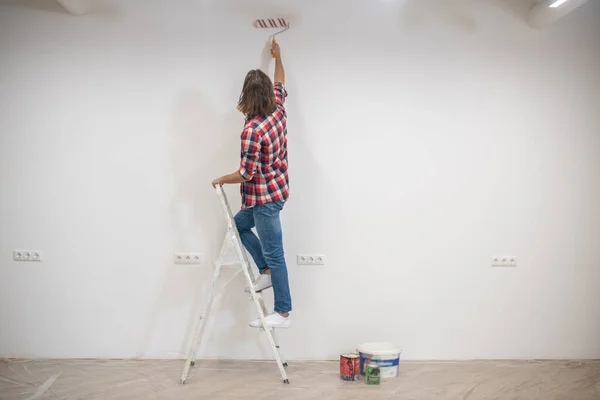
{"type": "Point", "coordinates": [264, 184]}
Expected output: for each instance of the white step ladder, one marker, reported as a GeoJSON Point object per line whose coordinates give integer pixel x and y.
{"type": "Point", "coordinates": [232, 237]}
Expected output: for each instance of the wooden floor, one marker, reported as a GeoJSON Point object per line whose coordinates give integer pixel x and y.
{"type": "Point", "coordinates": [228, 380]}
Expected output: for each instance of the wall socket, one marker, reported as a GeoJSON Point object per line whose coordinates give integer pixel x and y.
{"type": "Point", "coordinates": [504, 261]}
{"type": "Point", "coordinates": [27, 255]}
{"type": "Point", "coordinates": [187, 258]}
{"type": "Point", "coordinates": [308, 259]}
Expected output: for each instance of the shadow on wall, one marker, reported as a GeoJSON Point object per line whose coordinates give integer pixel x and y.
{"type": "Point", "coordinates": [205, 145]}
{"type": "Point", "coordinates": [98, 8]}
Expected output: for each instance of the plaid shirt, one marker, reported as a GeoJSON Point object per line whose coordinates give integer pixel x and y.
{"type": "Point", "coordinates": [264, 161]}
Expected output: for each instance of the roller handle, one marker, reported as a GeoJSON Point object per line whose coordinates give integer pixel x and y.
{"type": "Point", "coordinates": [272, 43]}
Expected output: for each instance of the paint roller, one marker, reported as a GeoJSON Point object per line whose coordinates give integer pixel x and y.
{"type": "Point", "coordinates": [273, 23]}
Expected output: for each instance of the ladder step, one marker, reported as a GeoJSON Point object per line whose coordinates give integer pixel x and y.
{"type": "Point", "coordinates": [231, 264]}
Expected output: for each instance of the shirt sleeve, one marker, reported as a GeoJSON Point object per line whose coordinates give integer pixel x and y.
{"type": "Point", "coordinates": [280, 93]}
{"type": "Point", "coordinates": [250, 153]}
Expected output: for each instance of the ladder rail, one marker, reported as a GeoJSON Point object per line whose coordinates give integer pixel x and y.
{"type": "Point", "coordinates": [208, 304]}
{"type": "Point", "coordinates": [201, 326]}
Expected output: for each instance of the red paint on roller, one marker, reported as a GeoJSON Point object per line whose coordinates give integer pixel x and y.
{"type": "Point", "coordinates": [271, 23]}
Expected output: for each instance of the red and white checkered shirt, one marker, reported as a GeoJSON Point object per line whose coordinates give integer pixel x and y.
{"type": "Point", "coordinates": [264, 162]}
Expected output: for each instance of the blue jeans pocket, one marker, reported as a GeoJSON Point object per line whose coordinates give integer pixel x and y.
{"type": "Point", "coordinates": [271, 209]}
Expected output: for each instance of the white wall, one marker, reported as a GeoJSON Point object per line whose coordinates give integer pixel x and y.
{"type": "Point", "coordinates": [422, 142]}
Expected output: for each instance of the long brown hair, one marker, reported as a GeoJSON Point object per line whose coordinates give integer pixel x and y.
{"type": "Point", "coordinates": [257, 97]}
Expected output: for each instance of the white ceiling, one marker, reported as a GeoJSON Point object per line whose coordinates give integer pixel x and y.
{"type": "Point", "coordinates": [539, 14]}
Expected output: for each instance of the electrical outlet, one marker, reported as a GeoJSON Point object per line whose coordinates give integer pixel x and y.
{"type": "Point", "coordinates": [504, 261]}
{"type": "Point", "coordinates": [188, 258]}
{"type": "Point", "coordinates": [27, 255]}
{"type": "Point", "coordinates": [310, 259]}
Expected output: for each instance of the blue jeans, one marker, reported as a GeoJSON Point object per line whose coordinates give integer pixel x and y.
{"type": "Point", "coordinates": [267, 252]}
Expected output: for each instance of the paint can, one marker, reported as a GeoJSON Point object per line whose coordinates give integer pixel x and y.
{"type": "Point", "coordinates": [372, 374]}
{"type": "Point", "coordinates": [349, 367]}
{"type": "Point", "coordinates": [386, 355]}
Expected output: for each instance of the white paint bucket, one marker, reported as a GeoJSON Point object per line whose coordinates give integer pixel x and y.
{"type": "Point", "coordinates": [386, 355]}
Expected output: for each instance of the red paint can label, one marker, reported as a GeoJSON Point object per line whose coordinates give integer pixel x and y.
{"type": "Point", "coordinates": [350, 367]}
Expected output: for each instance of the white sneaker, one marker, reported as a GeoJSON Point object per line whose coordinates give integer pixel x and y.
{"type": "Point", "coordinates": [274, 320]}
{"type": "Point", "coordinates": [261, 283]}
